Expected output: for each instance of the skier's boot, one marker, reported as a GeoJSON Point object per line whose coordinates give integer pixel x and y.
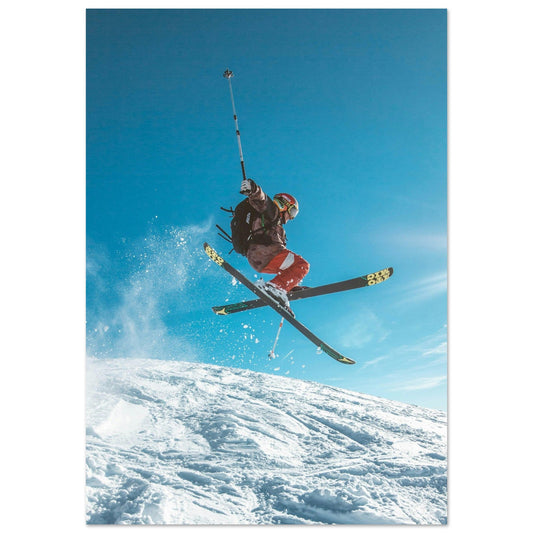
{"type": "Point", "coordinates": [297, 288]}
{"type": "Point", "coordinates": [276, 293]}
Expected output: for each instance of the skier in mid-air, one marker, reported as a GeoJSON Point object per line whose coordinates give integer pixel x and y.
{"type": "Point", "coordinates": [267, 252]}
{"type": "Point", "coordinates": [257, 232]}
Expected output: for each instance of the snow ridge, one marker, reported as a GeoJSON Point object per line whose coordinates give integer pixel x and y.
{"type": "Point", "coordinates": [173, 442]}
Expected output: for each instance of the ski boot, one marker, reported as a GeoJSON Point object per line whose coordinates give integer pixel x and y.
{"type": "Point", "coordinates": [276, 293]}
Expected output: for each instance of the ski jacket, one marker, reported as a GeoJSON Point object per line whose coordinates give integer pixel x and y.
{"type": "Point", "coordinates": [269, 235]}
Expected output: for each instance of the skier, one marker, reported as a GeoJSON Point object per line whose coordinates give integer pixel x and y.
{"type": "Point", "coordinates": [267, 252]}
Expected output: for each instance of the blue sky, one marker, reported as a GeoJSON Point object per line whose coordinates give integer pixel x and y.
{"type": "Point", "coordinates": [344, 109]}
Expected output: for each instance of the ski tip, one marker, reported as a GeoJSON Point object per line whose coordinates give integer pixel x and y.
{"type": "Point", "coordinates": [347, 361]}
{"type": "Point", "coordinates": [213, 255]}
{"type": "Point", "coordinates": [336, 355]}
{"type": "Point", "coordinates": [378, 277]}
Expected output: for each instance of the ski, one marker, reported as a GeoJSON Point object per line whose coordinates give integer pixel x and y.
{"type": "Point", "coordinates": [309, 292]}
{"type": "Point", "coordinates": [220, 261]}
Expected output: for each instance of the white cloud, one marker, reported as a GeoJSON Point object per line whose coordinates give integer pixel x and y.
{"type": "Point", "coordinates": [373, 362]}
{"type": "Point", "coordinates": [442, 348]}
{"type": "Point", "coordinates": [431, 349]}
{"type": "Point", "coordinates": [419, 238]}
{"type": "Point", "coordinates": [360, 329]}
{"type": "Point", "coordinates": [421, 383]}
{"type": "Point", "coordinates": [422, 289]}
{"type": "Point", "coordinates": [427, 241]}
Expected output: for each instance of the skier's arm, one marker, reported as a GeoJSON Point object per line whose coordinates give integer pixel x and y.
{"type": "Point", "coordinates": [259, 200]}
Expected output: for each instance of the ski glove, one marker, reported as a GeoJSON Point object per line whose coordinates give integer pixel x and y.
{"type": "Point", "coordinates": [248, 187]}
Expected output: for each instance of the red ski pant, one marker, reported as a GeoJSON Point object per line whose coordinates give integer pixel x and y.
{"type": "Point", "coordinates": [290, 269]}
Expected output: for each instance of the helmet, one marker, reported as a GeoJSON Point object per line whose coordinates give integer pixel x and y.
{"type": "Point", "coordinates": [286, 202]}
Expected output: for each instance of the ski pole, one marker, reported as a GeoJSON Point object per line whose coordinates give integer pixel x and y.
{"type": "Point", "coordinates": [228, 74]}
{"type": "Point", "coordinates": [271, 355]}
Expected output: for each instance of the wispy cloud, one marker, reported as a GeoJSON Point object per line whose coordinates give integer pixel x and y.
{"type": "Point", "coordinates": [441, 349]}
{"type": "Point", "coordinates": [360, 329]}
{"type": "Point", "coordinates": [426, 361]}
{"type": "Point", "coordinates": [423, 289]}
{"type": "Point", "coordinates": [421, 383]}
{"type": "Point", "coordinates": [430, 349]}
{"type": "Point", "coordinates": [419, 239]}
{"type": "Point", "coordinates": [433, 284]}
{"type": "Point", "coordinates": [374, 361]}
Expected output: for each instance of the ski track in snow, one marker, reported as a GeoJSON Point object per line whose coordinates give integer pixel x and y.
{"type": "Point", "coordinates": [186, 443]}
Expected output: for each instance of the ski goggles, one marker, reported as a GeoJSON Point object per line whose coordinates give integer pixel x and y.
{"type": "Point", "coordinates": [286, 206]}
{"type": "Point", "coordinates": [292, 211]}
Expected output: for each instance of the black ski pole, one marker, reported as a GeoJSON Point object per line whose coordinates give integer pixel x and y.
{"type": "Point", "coordinates": [228, 74]}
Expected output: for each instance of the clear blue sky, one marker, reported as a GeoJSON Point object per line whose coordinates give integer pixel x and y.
{"type": "Point", "coordinates": [344, 109]}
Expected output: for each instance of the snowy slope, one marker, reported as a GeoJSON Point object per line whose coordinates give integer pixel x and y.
{"type": "Point", "coordinates": [188, 443]}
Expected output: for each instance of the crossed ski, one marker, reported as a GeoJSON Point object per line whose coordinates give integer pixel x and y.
{"type": "Point", "coordinates": [265, 299]}
{"type": "Point", "coordinates": [309, 292]}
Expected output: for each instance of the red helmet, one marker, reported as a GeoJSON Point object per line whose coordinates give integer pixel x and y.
{"type": "Point", "coordinates": [286, 202]}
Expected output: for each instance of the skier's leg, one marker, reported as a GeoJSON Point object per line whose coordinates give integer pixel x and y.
{"type": "Point", "coordinates": [290, 268]}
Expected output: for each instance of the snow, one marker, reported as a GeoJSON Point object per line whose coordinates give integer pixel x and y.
{"type": "Point", "coordinates": [172, 442]}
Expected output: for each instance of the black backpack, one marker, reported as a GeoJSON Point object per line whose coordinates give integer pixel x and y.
{"type": "Point", "coordinates": [243, 217]}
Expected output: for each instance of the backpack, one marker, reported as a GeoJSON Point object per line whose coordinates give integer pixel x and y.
{"type": "Point", "coordinates": [243, 217]}
{"type": "Point", "coordinates": [241, 226]}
